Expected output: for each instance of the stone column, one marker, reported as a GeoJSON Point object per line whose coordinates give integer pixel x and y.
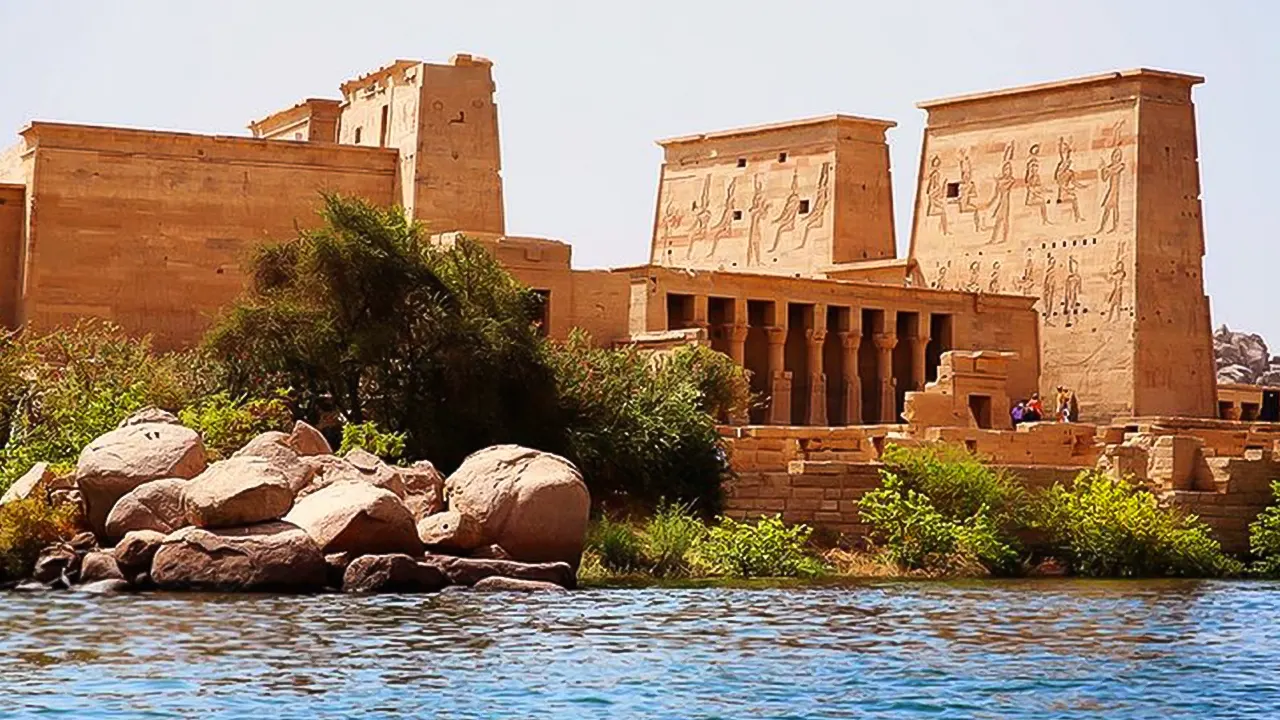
{"type": "Point", "coordinates": [885, 343]}
{"type": "Point", "coordinates": [779, 378]}
{"type": "Point", "coordinates": [850, 341]}
{"type": "Point", "coordinates": [918, 374]}
{"type": "Point", "coordinates": [817, 377]}
{"type": "Point", "coordinates": [738, 344]}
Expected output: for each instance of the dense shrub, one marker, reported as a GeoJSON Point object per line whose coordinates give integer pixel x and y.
{"type": "Point", "coordinates": [1107, 527]}
{"type": "Point", "coordinates": [940, 509]}
{"type": "Point", "coordinates": [765, 548]}
{"type": "Point", "coordinates": [226, 424]}
{"type": "Point", "coordinates": [363, 313]}
{"type": "Point", "coordinates": [1264, 537]}
{"type": "Point", "coordinates": [615, 546]}
{"type": "Point", "coordinates": [670, 538]}
{"type": "Point", "coordinates": [60, 390]}
{"type": "Point", "coordinates": [641, 426]}
{"type": "Point", "coordinates": [27, 526]}
{"type": "Point", "coordinates": [387, 445]}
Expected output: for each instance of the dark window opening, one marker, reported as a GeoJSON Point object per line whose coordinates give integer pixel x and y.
{"type": "Point", "coordinates": [737, 214]}
{"type": "Point", "coordinates": [980, 406]}
{"type": "Point", "coordinates": [782, 157]}
{"type": "Point", "coordinates": [358, 136]}
{"type": "Point", "coordinates": [804, 206]}
{"type": "Point", "coordinates": [385, 129]}
{"type": "Point", "coordinates": [953, 190]}
{"type": "Point", "coordinates": [742, 162]}
{"type": "Point", "coordinates": [679, 311]}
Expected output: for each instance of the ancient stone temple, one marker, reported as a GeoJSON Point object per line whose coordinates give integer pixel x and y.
{"type": "Point", "coordinates": [1057, 239]}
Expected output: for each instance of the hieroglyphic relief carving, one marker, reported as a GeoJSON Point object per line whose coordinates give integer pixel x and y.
{"type": "Point", "coordinates": [1004, 187]}
{"type": "Point", "coordinates": [1065, 176]}
{"type": "Point", "coordinates": [1049, 289]}
{"type": "Point", "coordinates": [972, 285]}
{"type": "Point", "coordinates": [819, 209]}
{"type": "Point", "coordinates": [993, 285]}
{"type": "Point", "coordinates": [1110, 174]}
{"type": "Point", "coordinates": [1035, 189]}
{"type": "Point", "coordinates": [935, 194]}
{"type": "Point", "coordinates": [941, 282]}
{"type": "Point", "coordinates": [1071, 291]}
{"type": "Point", "coordinates": [969, 192]}
{"type": "Point", "coordinates": [759, 206]}
{"type": "Point", "coordinates": [1115, 296]}
{"type": "Point", "coordinates": [724, 225]}
{"type": "Point", "coordinates": [786, 219]}
{"type": "Point", "coordinates": [701, 217]}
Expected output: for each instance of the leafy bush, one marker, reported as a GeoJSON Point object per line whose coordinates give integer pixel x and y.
{"type": "Point", "coordinates": [60, 390]}
{"type": "Point", "coordinates": [435, 343]}
{"type": "Point", "coordinates": [641, 426]}
{"type": "Point", "coordinates": [670, 539]}
{"type": "Point", "coordinates": [387, 445]}
{"type": "Point", "coordinates": [1104, 527]}
{"type": "Point", "coordinates": [226, 424]}
{"type": "Point", "coordinates": [765, 548]}
{"type": "Point", "coordinates": [615, 545]}
{"type": "Point", "coordinates": [1264, 537]}
{"type": "Point", "coordinates": [26, 527]}
{"type": "Point", "coordinates": [939, 509]}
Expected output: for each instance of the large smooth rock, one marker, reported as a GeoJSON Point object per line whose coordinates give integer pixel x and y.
{"type": "Point", "coordinates": [450, 531]}
{"type": "Point", "coordinates": [357, 517]}
{"type": "Point", "coordinates": [127, 457]}
{"type": "Point", "coordinates": [274, 447]}
{"type": "Point", "coordinates": [241, 490]}
{"type": "Point", "coordinates": [24, 487]}
{"type": "Point", "coordinates": [136, 549]}
{"type": "Point", "coordinates": [273, 556]}
{"type": "Point", "coordinates": [331, 470]}
{"type": "Point", "coordinates": [469, 571]}
{"type": "Point", "coordinates": [532, 503]}
{"type": "Point", "coordinates": [150, 415]}
{"type": "Point", "coordinates": [424, 489]}
{"type": "Point", "coordinates": [496, 583]}
{"type": "Point", "coordinates": [156, 505]}
{"type": "Point", "coordinates": [99, 565]}
{"type": "Point", "coordinates": [392, 574]}
{"type": "Point", "coordinates": [306, 440]}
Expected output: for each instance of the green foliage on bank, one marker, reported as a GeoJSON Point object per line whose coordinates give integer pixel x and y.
{"type": "Point", "coordinates": [1264, 538]}
{"type": "Point", "coordinates": [675, 543]}
{"type": "Point", "coordinates": [939, 509]}
{"type": "Point", "coordinates": [440, 346]}
{"type": "Point", "coordinates": [369, 437]}
{"type": "Point", "coordinates": [27, 526]}
{"type": "Point", "coordinates": [227, 423]}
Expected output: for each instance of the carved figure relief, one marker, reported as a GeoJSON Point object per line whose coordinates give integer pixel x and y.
{"type": "Point", "coordinates": [1110, 174]}
{"type": "Point", "coordinates": [1065, 176]}
{"type": "Point", "coordinates": [1035, 189]}
{"type": "Point", "coordinates": [935, 194]}
{"type": "Point", "coordinates": [819, 209]}
{"type": "Point", "coordinates": [993, 285]}
{"type": "Point", "coordinates": [1071, 290]}
{"type": "Point", "coordinates": [786, 219]}
{"type": "Point", "coordinates": [969, 192]}
{"type": "Point", "coordinates": [1115, 296]}
{"type": "Point", "coordinates": [1049, 289]}
{"type": "Point", "coordinates": [724, 225]}
{"type": "Point", "coordinates": [701, 217]}
{"type": "Point", "coordinates": [1027, 280]}
{"type": "Point", "coordinates": [971, 285]}
{"type": "Point", "coordinates": [759, 206]}
{"type": "Point", "coordinates": [1004, 188]}
{"type": "Point", "coordinates": [671, 220]}
{"type": "Point", "coordinates": [941, 282]}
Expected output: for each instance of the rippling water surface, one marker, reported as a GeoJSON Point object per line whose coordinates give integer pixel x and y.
{"type": "Point", "coordinates": [1032, 649]}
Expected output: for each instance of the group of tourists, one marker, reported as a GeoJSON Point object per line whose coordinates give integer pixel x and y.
{"type": "Point", "coordinates": [1066, 408]}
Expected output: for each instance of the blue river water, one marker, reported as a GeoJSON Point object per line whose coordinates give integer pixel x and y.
{"type": "Point", "coordinates": [1021, 649]}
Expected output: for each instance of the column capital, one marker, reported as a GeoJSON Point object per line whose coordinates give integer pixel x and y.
{"type": "Point", "coordinates": [815, 336]}
{"type": "Point", "coordinates": [885, 341]}
{"type": "Point", "coordinates": [738, 333]}
{"type": "Point", "coordinates": [777, 334]}
{"type": "Point", "coordinates": [849, 339]}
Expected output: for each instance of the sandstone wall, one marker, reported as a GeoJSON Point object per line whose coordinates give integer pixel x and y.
{"type": "Point", "coordinates": [1035, 191]}
{"type": "Point", "coordinates": [12, 222]}
{"type": "Point", "coordinates": [150, 229]}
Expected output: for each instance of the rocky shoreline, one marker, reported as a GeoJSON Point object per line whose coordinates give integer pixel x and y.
{"type": "Point", "coordinates": [285, 514]}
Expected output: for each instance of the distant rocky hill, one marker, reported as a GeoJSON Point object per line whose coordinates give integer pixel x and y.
{"type": "Point", "coordinates": [1244, 358]}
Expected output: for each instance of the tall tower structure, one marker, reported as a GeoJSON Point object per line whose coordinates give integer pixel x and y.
{"type": "Point", "coordinates": [1086, 194]}
{"type": "Point", "coordinates": [443, 120]}
{"type": "Point", "coordinates": [786, 199]}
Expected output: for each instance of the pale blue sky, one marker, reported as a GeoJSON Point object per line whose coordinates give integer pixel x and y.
{"type": "Point", "coordinates": [584, 88]}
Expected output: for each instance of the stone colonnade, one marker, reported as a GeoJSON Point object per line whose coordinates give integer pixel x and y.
{"type": "Point", "coordinates": [817, 363]}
